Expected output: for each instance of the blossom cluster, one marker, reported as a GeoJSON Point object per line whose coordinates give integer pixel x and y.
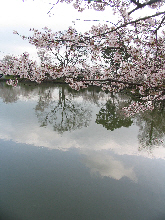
{"type": "Point", "coordinates": [137, 107]}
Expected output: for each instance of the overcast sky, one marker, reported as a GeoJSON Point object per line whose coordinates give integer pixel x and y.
{"type": "Point", "coordinates": [21, 16]}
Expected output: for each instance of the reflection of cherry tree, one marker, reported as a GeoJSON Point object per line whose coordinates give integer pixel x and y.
{"type": "Point", "coordinates": [12, 94]}
{"type": "Point", "coordinates": [152, 127]}
{"type": "Point", "coordinates": [64, 114]}
{"type": "Point", "coordinates": [92, 94]}
{"type": "Point", "coordinates": [8, 95]}
{"type": "Point", "coordinates": [150, 119]}
{"type": "Point", "coordinates": [151, 123]}
{"type": "Point", "coordinates": [111, 118]}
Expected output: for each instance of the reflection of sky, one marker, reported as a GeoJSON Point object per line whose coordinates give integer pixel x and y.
{"type": "Point", "coordinates": [21, 115]}
{"type": "Point", "coordinates": [102, 164]}
{"type": "Point", "coordinates": [54, 182]}
{"type": "Point", "coordinates": [19, 123]}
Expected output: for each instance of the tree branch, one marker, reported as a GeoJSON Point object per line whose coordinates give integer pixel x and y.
{"type": "Point", "coordinates": [139, 5]}
{"type": "Point", "coordinates": [136, 3]}
{"type": "Point", "coordinates": [109, 80]}
{"type": "Point", "coordinates": [131, 22]}
{"type": "Point", "coordinates": [160, 24]}
{"type": "Point", "coordinates": [133, 10]}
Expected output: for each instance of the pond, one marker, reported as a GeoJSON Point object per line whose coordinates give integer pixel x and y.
{"type": "Point", "coordinates": [74, 155]}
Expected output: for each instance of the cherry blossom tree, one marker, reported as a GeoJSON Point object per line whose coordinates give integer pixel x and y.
{"type": "Point", "coordinates": [127, 55]}
{"type": "Point", "coordinates": [124, 6]}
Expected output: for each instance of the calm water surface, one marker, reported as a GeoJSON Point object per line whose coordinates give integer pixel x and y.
{"type": "Point", "coordinates": [73, 155]}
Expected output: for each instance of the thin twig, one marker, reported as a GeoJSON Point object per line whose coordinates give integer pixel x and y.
{"type": "Point", "coordinates": [131, 22]}
{"type": "Point", "coordinates": [53, 6]}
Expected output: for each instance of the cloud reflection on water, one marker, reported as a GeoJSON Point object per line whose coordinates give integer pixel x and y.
{"type": "Point", "coordinates": [18, 122]}
{"type": "Point", "coordinates": [102, 164]}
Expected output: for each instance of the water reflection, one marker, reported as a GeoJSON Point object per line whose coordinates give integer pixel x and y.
{"type": "Point", "coordinates": [85, 114]}
{"type": "Point", "coordinates": [151, 127]}
{"type": "Point", "coordinates": [92, 170]}
{"type": "Point", "coordinates": [104, 165]}
{"type": "Point", "coordinates": [151, 123]}
{"type": "Point", "coordinates": [39, 183]}
{"type": "Point", "coordinates": [64, 114]}
{"type": "Point", "coordinates": [11, 94]}
{"type": "Point", "coordinates": [110, 117]}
